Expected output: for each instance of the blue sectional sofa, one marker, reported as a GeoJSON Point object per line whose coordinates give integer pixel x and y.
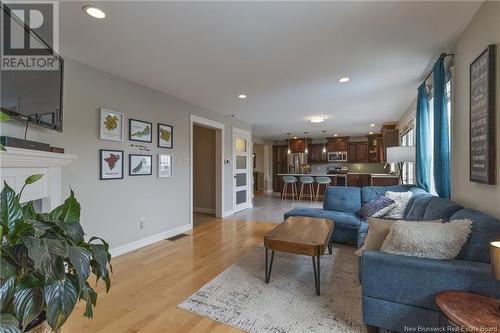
{"type": "Point", "coordinates": [398, 292]}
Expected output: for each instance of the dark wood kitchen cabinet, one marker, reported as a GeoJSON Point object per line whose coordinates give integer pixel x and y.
{"type": "Point", "coordinates": [316, 154]}
{"type": "Point", "coordinates": [280, 165]}
{"type": "Point", "coordinates": [375, 148]}
{"type": "Point", "coordinates": [299, 145]}
{"type": "Point", "coordinates": [337, 144]}
{"type": "Point", "coordinates": [358, 180]}
{"type": "Point", "coordinates": [358, 152]}
{"type": "Point", "coordinates": [390, 138]}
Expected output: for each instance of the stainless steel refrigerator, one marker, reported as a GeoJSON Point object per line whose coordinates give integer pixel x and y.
{"type": "Point", "coordinates": [297, 163]}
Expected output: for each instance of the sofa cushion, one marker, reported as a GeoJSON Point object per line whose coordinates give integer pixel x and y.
{"type": "Point", "coordinates": [344, 220]}
{"type": "Point", "coordinates": [416, 207]}
{"type": "Point", "coordinates": [417, 192]}
{"type": "Point", "coordinates": [343, 199]}
{"type": "Point", "coordinates": [441, 208]}
{"type": "Point", "coordinates": [485, 229]}
{"type": "Point", "coordinates": [376, 208]}
{"type": "Point", "coordinates": [369, 193]}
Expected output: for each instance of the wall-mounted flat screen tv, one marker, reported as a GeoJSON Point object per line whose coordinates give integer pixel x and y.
{"type": "Point", "coordinates": [33, 96]}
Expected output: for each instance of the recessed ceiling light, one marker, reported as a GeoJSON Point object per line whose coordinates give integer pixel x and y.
{"type": "Point", "coordinates": [94, 12]}
{"type": "Point", "coordinates": [242, 96]}
{"type": "Point", "coordinates": [372, 125]}
{"type": "Point", "coordinates": [344, 80]}
{"type": "Point", "coordinates": [335, 135]}
{"type": "Point", "coordinates": [295, 137]}
{"type": "Point", "coordinates": [370, 133]}
{"type": "Point", "coordinates": [317, 119]}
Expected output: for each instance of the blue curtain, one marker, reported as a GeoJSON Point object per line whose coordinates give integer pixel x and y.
{"type": "Point", "coordinates": [423, 147]}
{"type": "Point", "coordinates": [441, 131]}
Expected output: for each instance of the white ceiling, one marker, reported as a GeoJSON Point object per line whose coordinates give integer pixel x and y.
{"type": "Point", "coordinates": [286, 56]}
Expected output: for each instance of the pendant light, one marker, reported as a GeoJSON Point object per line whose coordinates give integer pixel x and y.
{"type": "Point", "coordinates": [288, 139]}
{"type": "Point", "coordinates": [306, 151]}
{"type": "Point", "coordinates": [324, 142]}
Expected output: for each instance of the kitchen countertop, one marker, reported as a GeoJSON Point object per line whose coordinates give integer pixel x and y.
{"type": "Point", "coordinates": [373, 175]}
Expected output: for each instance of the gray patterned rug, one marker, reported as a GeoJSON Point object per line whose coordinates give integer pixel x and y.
{"type": "Point", "coordinates": [238, 296]}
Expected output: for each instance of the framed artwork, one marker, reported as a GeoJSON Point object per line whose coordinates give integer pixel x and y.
{"type": "Point", "coordinates": [482, 129]}
{"type": "Point", "coordinates": [164, 165]}
{"type": "Point", "coordinates": [111, 125]}
{"type": "Point", "coordinates": [140, 165]}
{"type": "Point", "coordinates": [165, 136]}
{"type": "Point", "coordinates": [139, 130]}
{"type": "Point", "coordinates": [111, 164]}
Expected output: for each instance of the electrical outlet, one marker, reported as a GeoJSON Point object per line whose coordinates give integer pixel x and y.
{"type": "Point", "coordinates": [142, 223]}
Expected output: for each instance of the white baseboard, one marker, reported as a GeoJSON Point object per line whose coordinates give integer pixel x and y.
{"type": "Point", "coordinates": [122, 249]}
{"type": "Point", "coordinates": [204, 210]}
{"type": "Point", "coordinates": [227, 213]}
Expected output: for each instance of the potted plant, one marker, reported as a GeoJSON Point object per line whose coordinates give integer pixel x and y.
{"type": "Point", "coordinates": [46, 263]}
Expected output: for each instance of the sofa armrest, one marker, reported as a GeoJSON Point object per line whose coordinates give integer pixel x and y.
{"type": "Point", "coordinates": [362, 232]}
{"type": "Point", "coordinates": [416, 281]}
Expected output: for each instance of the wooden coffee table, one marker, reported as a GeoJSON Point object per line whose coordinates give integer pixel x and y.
{"type": "Point", "coordinates": [476, 313]}
{"type": "Point", "coordinates": [306, 236]}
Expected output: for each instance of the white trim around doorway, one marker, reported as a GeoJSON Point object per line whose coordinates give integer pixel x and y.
{"type": "Point", "coordinates": [219, 181]}
{"type": "Point", "coordinates": [248, 134]}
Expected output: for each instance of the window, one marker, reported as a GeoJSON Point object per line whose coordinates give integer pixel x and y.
{"type": "Point", "coordinates": [408, 139]}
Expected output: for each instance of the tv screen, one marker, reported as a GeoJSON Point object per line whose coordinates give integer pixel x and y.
{"type": "Point", "coordinates": [34, 96]}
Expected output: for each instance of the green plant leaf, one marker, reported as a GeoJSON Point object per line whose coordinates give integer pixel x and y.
{"type": "Point", "coordinates": [47, 255]}
{"type": "Point", "coordinates": [68, 212]}
{"type": "Point", "coordinates": [9, 324]}
{"type": "Point", "coordinates": [4, 116]}
{"type": "Point", "coordinates": [60, 297]}
{"type": "Point", "coordinates": [33, 178]}
{"type": "Point", "coordinates": [74, 230]}
{"type": "Point", "coordinates": [80, 259]}
{"type": "Point", "coordinates": [2, 148]}
{"type": "Point", "coordinates": [7, 269]}
{"type": "Point", "coordinates": [29, 212]}
{"type": "Point", "coordinates": [28, 303]}
{"type": "Point", "coordinates": [90, 297]}
{"type": "Point", "coordinates": [100, 255]}
{"type": "Point", "coordinates": [10, 208]}
{"type": "Point", "coordinates": [7, 291]}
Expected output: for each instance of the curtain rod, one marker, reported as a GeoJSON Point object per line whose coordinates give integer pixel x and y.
{"type": "Point", "coordinates": [443, 55]}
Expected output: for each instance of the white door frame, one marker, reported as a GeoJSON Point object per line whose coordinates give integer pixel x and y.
{"type": "Point", "coordinates": [219, 163]}
{"type": "Point", "coordinates": [248, 134]}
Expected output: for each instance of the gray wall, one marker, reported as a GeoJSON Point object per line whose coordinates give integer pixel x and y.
{"type": "Point", "coordinates": [112, 208]}
{"type": "Point", "coordinates": [483, 30]}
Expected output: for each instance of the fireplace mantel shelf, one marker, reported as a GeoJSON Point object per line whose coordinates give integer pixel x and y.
{"type": "Point", "coordinates": [27, 158]}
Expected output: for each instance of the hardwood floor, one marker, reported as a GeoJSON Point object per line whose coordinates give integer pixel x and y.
{"type": "Point", "coordinates": [147, 284]}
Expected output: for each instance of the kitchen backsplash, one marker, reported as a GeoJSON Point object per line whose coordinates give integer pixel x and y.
{"type": "Point", "coordinates": [354, 167]}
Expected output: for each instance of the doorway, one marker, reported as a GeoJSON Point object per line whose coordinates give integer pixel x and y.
{"type": "Point", "coordinates": [242, 166]}
{"type": "Point", "coordinates": [207, 181]}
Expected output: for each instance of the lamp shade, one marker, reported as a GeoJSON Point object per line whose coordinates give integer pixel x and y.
{"type": "Point", "coordinates": [400, 154]}
{"type": "Point", "coordinates": [495, 259]}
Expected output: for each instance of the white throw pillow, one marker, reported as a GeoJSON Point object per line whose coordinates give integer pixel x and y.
{"type": "Point", "coordinates": [427, 239]}
{"type": "Point", "coordinates": [401, 199]}
{"type": "Point", "coordinates": [384, 211]}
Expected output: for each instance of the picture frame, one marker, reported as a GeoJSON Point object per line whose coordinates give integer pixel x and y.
{"type": "Point", "coordinates": [111, 125]}
{"type": "Point", "coordinates": [165, 166]}
{"type": "Point", "coordinates": [482, 129]}
{"type": "Point", "coordinates": [110, 164]}
{"type": "Point", "coordinates": [140, 165]}
{"type": "Point", "coordinates": [165, 136]}
{"type": "Point", "coordinates": [139, 130]}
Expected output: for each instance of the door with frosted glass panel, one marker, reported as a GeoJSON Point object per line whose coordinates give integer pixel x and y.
{"type": "Point", "coordinates": [241, 158]}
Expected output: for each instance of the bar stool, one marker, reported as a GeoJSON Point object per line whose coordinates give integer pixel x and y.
{"type": "Point", "coordinates": [322, 181]}
{"type": "Point", "coordinates": [292, 191]}
{"type": "Point", "coordinates": [309, 182]}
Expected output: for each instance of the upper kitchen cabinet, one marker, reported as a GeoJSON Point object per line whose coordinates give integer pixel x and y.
{"type": "Point", "coordinates": [375, 148]}
{"type": "Point", "coordinates": [316, 154]}
{"type": "Point", "coordinates": [337, 144]}
{"type": "Point", "coordinates": [358, 152]}
{"type": "Point", "coordinates": [299, 145]}
{"type": "Point", "coordinates": [390, 138]}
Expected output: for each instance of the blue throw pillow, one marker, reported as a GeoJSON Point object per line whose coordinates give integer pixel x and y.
{"type": "Point", "coordinates": [378, 207]}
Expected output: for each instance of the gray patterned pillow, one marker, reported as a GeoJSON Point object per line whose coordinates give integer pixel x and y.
{"type": "Point", "coordinates": [376, 208]}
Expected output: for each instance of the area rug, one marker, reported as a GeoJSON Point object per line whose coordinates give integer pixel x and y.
{"type": "Point", "coordinates": [288, 304]}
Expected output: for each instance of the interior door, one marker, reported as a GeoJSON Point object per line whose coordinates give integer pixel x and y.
{"type": "Point", "coordinates": [242, 172]}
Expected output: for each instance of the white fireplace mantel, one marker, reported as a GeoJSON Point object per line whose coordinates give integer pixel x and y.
{"type": "Point", "coordinates": [17, 164]}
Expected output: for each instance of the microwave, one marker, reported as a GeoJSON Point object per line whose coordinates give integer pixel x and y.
{"type": "Point", "coordinates": [337, 156]}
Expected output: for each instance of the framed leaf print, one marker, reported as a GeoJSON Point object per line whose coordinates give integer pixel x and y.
{"type": "Point", "coordinates": [165, 136]}
{"type": "Point", "coordinates": [111, 125]}
{"type": "Point", "coordinates": [139, 130]}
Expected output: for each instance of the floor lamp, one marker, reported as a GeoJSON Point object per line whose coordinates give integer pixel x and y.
{"type": "Point", "coordinates": [400, 155]}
